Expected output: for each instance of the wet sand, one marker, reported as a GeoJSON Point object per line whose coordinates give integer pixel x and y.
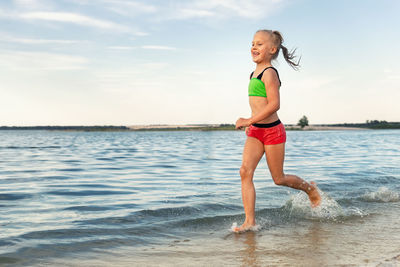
{"type": "Point", "coordinates": [371, 240]}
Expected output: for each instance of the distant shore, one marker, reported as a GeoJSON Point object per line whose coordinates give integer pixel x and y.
{"type": "Point", "coordinates": [210, 127]}
{"type": "Point", "coordinates": [228, 127]}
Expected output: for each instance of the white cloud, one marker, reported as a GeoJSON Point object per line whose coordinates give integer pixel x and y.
{"type": "Point", "coordinates": [158, 47]}
{"type": "Point", "coordinates": [223, 9]}
{"type": "Point", "coordinates": [189, 9]}
{"type": "Point", "coordinates": [155, 65]}
{"type": "Point", "coordinates": [393, 77]}
{"type": "Point", "coordinates": [140, 33]}
{"type": "Point", "coordinates": [4, 14]}
{"type": "Point", "coordinates": [129, 8]}
{"type": "Point", "coordinates": [33, 4]}
{"type": "Point", "coordinates": [7, 38]}
{"type": "Point", "coordinates": [147, 47]}
{"type": "Point", "coordinates": [312, 83]}
{"type": "Point", "coordinates": [390, 74]}
{"type": "Point", "coordinates": [39, 61]}
{"type": "Point", "coordinates": [122, 7]}
{"type": "Point", "coordinates": [75, 19]}
{"type": "Point", "coordinates": [195, 72]}
{"type": "Point", "coordinates": [122, 47]}
{"type": "Point", "coordinates": [187, 13]}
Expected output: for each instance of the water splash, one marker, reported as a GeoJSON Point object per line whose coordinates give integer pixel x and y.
{"type": "Point", "coordinates": [329, 209]}
{"type": "Point", "coordinates": [254, 228]}
{"type": "Point", "coordinates": [383, 194]}
{"type": "Point", "coordinates": [299, 204]}
{"type": "Point", "coordinates": [234, 225]}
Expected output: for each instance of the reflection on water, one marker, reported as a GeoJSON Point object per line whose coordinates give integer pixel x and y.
{"type": "Point", "coordinates": [249, 252]}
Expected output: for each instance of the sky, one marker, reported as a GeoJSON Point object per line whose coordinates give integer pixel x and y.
{"type": "Point", "coordinates": [116, 62]}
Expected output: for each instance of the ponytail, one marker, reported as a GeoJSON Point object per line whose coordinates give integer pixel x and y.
{"type": "Point", "coordinates": [290, 56]}
{"type": "Point", "coordinates": [277, 39]}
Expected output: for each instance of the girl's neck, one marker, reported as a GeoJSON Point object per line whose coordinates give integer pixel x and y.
{"type": "Point", "coordinates": [263, 65]}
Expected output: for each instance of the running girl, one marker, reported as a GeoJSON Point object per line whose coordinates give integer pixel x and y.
{"type": "Point", "coordinates": [265, 132]}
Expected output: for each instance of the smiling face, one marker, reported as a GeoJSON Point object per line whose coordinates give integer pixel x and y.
{"type": "Point", "coordinates": [262, 48]}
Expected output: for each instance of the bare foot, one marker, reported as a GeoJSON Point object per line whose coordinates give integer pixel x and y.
{"type": "Point", "coordinates": [314, 196]}
{"type": "Point", "coordinates": [243, 228]}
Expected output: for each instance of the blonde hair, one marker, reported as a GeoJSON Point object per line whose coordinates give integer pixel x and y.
{"type": "Point", "coordinates": [277, 40]}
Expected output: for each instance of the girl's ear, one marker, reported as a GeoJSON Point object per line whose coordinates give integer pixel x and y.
{"type": "Point", "coordinates": [273, 50]}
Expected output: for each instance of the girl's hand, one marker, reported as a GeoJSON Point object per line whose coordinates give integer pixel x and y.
{"type": "Point", "coordinates": [241, 122]}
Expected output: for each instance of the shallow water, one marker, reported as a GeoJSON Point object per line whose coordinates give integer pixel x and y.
{"type": "Point", "coordinates": [170, 198]}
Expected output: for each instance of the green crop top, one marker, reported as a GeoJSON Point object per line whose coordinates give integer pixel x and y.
{"type": "Point", "coordinates": [256, 86]}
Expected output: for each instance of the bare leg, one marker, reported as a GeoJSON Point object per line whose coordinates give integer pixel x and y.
{"type": "Point", "coordinates": [275, 156]}
{"type": "Point", "coordinates": [252, 153]}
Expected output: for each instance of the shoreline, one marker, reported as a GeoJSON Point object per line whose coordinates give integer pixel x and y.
{"type": "Point", "coordinates": [216, 127]}
{"type": "Point", "coordinates": [205, 127]}
{"type": "Point", "coordinates": [324, 128]}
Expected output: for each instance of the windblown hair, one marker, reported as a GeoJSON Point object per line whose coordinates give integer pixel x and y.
{"type": "Point", "coordinates": [277, 39]}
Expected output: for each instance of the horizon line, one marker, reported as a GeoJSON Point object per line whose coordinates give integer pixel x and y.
{"type": "Point", "coordinates": [178, 125]}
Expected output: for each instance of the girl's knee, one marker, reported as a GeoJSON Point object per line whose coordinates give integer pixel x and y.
{"type": "Point", "coordinates": [246, 173]}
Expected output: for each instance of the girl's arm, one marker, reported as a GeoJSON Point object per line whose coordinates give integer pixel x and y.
{"type": "Point", "coordinates": [272, 84]}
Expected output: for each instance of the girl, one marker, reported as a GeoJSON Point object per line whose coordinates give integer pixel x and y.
{"type": "Point", "coordinates": [265, 132]}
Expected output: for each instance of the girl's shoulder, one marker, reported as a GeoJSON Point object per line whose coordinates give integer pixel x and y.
{"type": "Point", "coordinates": [270, 74]}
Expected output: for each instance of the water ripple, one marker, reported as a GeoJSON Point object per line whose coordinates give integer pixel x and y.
{"type": "Point", "coordinates": [89, 190]}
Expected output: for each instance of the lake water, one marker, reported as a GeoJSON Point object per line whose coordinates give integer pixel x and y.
{"type": "Point", "coordinates": [170, 198]}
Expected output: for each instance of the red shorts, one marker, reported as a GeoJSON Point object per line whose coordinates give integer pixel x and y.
{"type": "Point", "coordinates": [268, 135]}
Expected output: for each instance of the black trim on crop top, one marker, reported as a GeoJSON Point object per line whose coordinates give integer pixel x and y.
{"type": "Point", "coordinates": [261, 74]}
